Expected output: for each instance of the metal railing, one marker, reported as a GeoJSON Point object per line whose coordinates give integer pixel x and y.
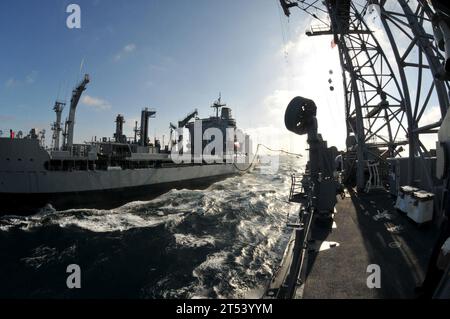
{"type": "Point", "coordinates": [296, 193]}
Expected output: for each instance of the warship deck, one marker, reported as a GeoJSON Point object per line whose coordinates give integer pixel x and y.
{"type": "Point", "coordinates": [368, 230]}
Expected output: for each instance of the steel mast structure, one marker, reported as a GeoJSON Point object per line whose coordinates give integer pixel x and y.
{"type": "Point", "coordinates": [420, 69]}
{"type": "Point", "coordinates": [385, 99]}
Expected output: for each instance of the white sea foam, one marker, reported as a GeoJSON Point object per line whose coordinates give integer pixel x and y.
{"type": "Point", "coordinates": [239, 224]}
{"type": "Point", "coordinates": [188, 240]}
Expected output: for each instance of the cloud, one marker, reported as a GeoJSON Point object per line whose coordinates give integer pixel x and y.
{"type": "Point", "coordinates": [11, 83]}
{"type": "Point", "coordinates": [430, 116]}
{"type": "Point", "coordinates": [155, 67]}
{"type": "Point", "coordinates": [29, 79]}
{"type": "Point", "coordinates": [7, 118]}
{"type": "Point", "coordinates": [271, 136]}
{"type": "Point", "coordinates": [308, 64]}
{"type": "Point", "coordinates": [95, 103]}
{"type": "Point", "coordinates": [129, 48]}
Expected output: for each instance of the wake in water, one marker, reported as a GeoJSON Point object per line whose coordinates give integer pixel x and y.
{"type": "Point", "coordinates": [222, 242]}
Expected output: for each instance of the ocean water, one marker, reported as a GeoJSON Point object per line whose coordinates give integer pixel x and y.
{"type": "Point", "coordinates": [221, 242]}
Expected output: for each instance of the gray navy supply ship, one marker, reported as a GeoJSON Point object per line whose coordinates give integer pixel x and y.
{"type": "Point", "coordinates": [105, 173]}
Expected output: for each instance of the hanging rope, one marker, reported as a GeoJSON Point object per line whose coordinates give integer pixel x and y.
{"type": "Point", "coordinates": [285, 34]}
{"type": "Point", "coordinates": [280, 151]}
{"type": "Point", "coordinates": [256, 154]}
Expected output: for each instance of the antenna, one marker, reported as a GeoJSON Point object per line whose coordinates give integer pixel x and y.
{"type": "Point", "coordinates": [81, 68]}
{"type": "Point", "coordinates": [59, 91]}
{"type": "Point", "coordinates": [218, 104]}
{"type": "Point", "coordinates": [65, 88]}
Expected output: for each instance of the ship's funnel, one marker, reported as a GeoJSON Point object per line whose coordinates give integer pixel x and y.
{"type": "Point", "coordinates": [119, 136]}
{"type": "Point", "coordinates": [226, 113]}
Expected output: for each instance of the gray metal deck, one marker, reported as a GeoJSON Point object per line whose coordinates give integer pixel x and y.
{"type": "Point", "coordinates": [366, 233]}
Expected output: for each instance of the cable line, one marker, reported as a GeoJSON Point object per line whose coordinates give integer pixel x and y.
{"type": "Point", "coordinates": [256, 154]}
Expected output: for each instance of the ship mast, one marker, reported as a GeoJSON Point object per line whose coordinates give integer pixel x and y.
{"type": "Point", "coordinates": [56, 127]}
{"type": "Point", "coordinates": [218, 104]}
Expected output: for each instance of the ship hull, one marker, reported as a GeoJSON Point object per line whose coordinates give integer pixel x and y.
{"type": "Point", "coordinates": [100, 189]}
{"type": "Point", "coordinates": [27, 204]}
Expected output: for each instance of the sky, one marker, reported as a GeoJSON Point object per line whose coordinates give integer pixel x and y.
{"type": "Point", "coordinates": [173, 56]}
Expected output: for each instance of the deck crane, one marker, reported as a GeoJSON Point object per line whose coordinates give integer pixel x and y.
{"type": "Point", "coordinates": [384, 118]}
{"type": "Point", "coordinates": [70, 122]}
{"type": "Point", "coordinates": [190, 116]}
{"type": "Point", "coordinates": [181, 124]}
{"type": "Point", "coordinates": [286, 5]}
{"type": "Point", "coordinates": [172, 128]}
{"type": "Point", "coordinates": [146, 115]}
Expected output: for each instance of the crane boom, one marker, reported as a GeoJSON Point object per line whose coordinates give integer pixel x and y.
{"type": "Point", "coordinates": [76, 95]}
{"type": "Point", "coordinates": [190, 116]}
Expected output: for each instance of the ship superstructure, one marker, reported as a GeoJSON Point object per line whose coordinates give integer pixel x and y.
{"type": "Point", "coordinates": [103, 171]}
